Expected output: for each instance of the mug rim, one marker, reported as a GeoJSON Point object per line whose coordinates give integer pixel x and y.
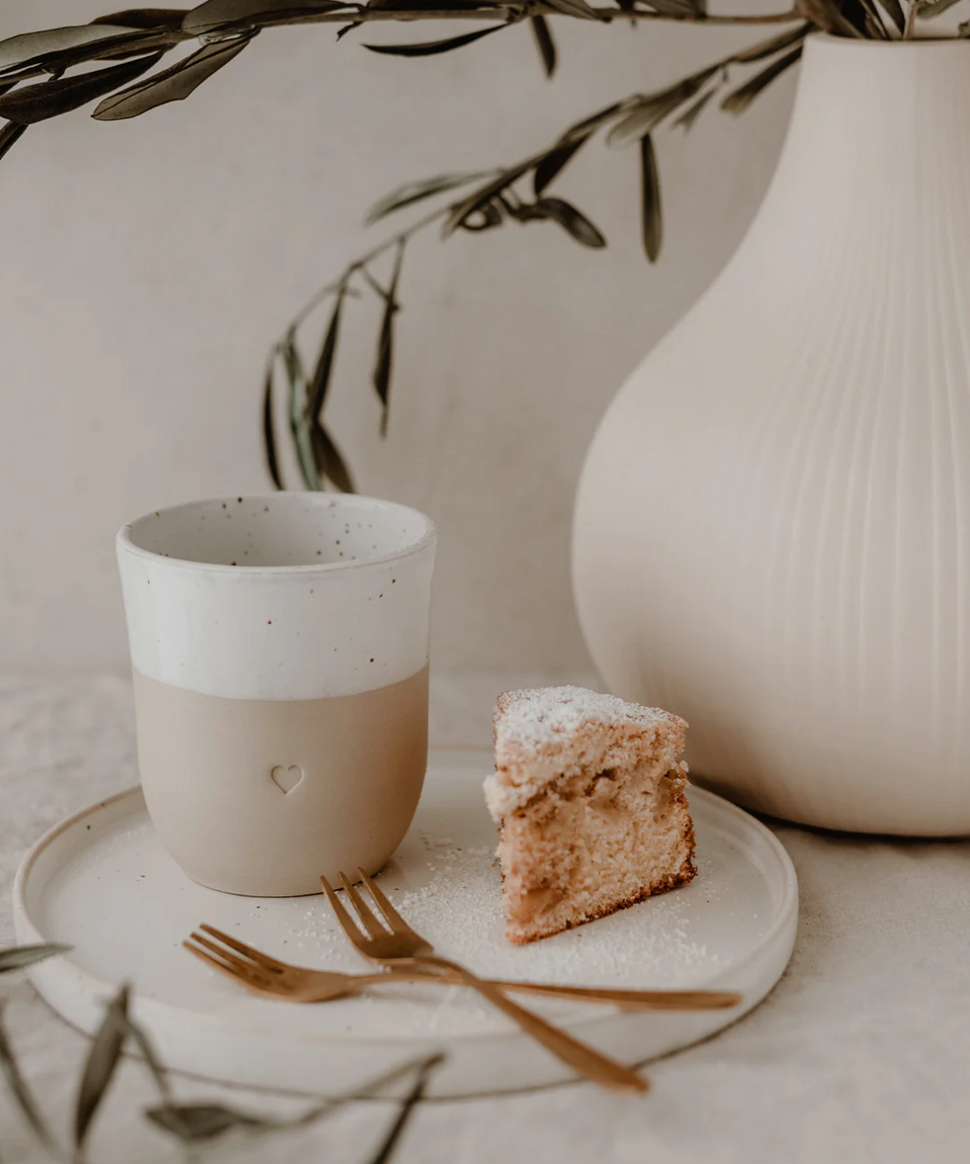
{"type": "Point", "coordinates": [428, 537]}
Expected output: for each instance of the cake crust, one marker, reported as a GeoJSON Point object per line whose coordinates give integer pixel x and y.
{"type": "Point", "coordinates": [522, 935]}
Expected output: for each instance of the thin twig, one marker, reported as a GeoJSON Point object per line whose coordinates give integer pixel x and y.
{"type": "Point", "coordinates": [515, 12]}
{"type": "Point", "coordinates": [410, 1102]}
{"type": "Point", "coordinates": [331, 288]}
{"type": "Point", "coordinates": [910, 20]}
{"type": "Point", "coordinates": [511, 13]}
{"type": "Point", "coordinates": [403, 236]}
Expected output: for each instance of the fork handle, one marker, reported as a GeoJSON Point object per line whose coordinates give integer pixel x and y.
{"type": "Point", "coordinates": [581, 1057]}
{"type": "Point", "coordinates": [628, 999]}
{"type": "Point", "coordinates": [625, 999]}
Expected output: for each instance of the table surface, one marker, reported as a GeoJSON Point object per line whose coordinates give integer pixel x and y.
{"type": "Point", "coordinates": [862, 1052]}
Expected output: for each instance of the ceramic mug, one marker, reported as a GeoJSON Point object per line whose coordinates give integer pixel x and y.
{"type": "Point", "coordinates": [279, 647]}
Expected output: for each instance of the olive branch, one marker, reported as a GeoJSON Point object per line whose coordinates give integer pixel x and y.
{"type": "Point", "coordinates": [193, 1124]}
{"type": "Point", "coordinates": [113, 60]}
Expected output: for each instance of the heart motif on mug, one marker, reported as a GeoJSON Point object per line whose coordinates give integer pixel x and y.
{"type": "Point", "coordinates": [286, 779]}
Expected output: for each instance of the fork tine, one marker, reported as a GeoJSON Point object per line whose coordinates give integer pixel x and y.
{"type": "Point", "coordinates": [371, 924]}
{"type": "Point", "coordinates": [257, 956]}
{"type": "Point", "coordinates": [209, 960]}
{"type": "Point", "coordinates": [391, 916]}
{"type": "Point", "coordinates": [223, 968]}
{"type": "Point", "coordinates": [250, 969]}
{"type": "Point", "coordinates": [347, 923]}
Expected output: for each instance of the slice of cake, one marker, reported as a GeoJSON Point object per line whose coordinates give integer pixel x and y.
{"type": "Point", "coordinates": [590, 801]}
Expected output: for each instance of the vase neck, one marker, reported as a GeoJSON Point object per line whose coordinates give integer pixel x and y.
{"type": "Point", "coordinates": [878, 135]}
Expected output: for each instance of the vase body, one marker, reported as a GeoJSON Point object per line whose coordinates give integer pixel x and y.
{"type": "Point", "coordinates": [771, 534]}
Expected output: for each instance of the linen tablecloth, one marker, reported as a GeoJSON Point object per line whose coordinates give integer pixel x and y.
{"type": "Point", "coordinates": [861, 1053]}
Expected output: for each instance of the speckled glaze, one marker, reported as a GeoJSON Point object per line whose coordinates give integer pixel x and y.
{"type": "Point", "coordinates": [265, 606]}
{"type": "Point", "coordinates": [291, 596]}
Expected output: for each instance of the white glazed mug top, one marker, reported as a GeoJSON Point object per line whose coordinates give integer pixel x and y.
{"type": "Point", "coordinates": [285, 596]}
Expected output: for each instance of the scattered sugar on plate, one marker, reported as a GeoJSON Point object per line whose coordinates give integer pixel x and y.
{"type": "Point", "coordinates": [459, 909]}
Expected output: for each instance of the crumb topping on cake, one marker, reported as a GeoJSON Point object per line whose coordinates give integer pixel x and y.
{"type": "Point", "coordinates": [557, 733]}
{"type": "Point", "coordinates": [536, 717]}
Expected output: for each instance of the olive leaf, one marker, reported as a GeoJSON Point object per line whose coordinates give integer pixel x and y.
{"type": "Point", "coordinates": [327, 457]}
{"type": "Point", "coordinates": [299, 423]}
{"type": "Point", "coordinates": [934, 8]}
{"type": "Point", "coordinates": [491, 216]}
{"type": "Point", "coordinates": [571, 220]}
{"type": "Point", "coordinates": [195, 1122]}
{"type": "Point", "coordinates": [774, 44]}
{"type": "Point", "coordinates": [410, 1102]}
{"type": "Point", "coordinates": [672, 7]}
{"type": "Point", "coordinates": [651, 213]}
{"type": "Point", "coordinates": [865, 16]}
{"type": "Point", "coordinates": [100, 1066]}
{"type": "Point", "coordinates": [10, 134]}
{"type": "Point", "coordinates": [342, 32]}
{"type": "Point", "coordinates": [738, 101]}
{"type": "Point", "coordinates": [29, 48]}
{"type": "Point", "coordinates": [198, 1122]}
{"type": "Point", "coordinates": [122, 46]}
{"type": "Point", "coordinates": [589, 125]}
{"type": "Point", "coordinates": [828, 15]}
{"type": "Point", "coordinates": [269, 426]}
{"type": "Point", "coordinates": [896, 14]}
{"type": "Point", "coordinates": [16, 957]}
{"type": "Point", "coordinates": [215, 14]}
{"type": "Point", "coordinates": [556, 160]}
{"type": "Point", "coordinates": [556, 210]}
{"type": "Point", "coordinates": [544, 42]}
{"type": "Point", "coordinates": [174, 83]}
{"type": "Point", "coordinates": [134, 1031]}
{"type": "Point", "coordinates": [33, 103]}
{"type": "Point", "coordinates": [21, 1092]}
{"type": "Point", "coordinates": [416, 191]}
{"type": "Point", "coordinates": [872, 21]}
{"type": "Point", "coordinates": [320, 381]}
{"type": "Point", "coordinates": [329, 460]}
{"type": "Point", "coordinates": [430, 48]}
{"type": "Point", "coordinates": [434, 5]}
{"type": "Point", "coordinates": [692, 112]}
{"type": "Point", "coordinates": [170, 18]}
{"type": "Point", "coordinates": [652, 109]}
{"type": "Point", "coordinates": [385, 342]}
{"type": "Point", "coordinates": [573, 8]}
{"type": "Point", "coordinates": [483, 195]}
{"type": "Point", "coordinates": [520, 211]}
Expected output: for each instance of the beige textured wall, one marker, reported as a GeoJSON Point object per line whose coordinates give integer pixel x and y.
{"type": "Point", "coordinates": [145, 266]}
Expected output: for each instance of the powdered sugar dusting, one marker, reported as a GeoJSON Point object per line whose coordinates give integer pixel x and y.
{"type": "Point", "coordinates": [459, 908]}
{"type": "Point", "coordinates": [544, 734]}
{"type": "Point", "coordinates": [538, 717]}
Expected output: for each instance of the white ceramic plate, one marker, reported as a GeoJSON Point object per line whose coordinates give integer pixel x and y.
{"type": "Point", "coordinates": [102, 883]}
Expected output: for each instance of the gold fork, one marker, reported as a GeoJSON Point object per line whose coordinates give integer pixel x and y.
{"type": "Point", "coordinates": [263, 974]}
{"type": "Point", "coordinates": [400, 946]}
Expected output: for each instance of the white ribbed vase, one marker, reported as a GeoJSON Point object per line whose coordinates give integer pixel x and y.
{"type": "Point", "coordinates": [772, 533]}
